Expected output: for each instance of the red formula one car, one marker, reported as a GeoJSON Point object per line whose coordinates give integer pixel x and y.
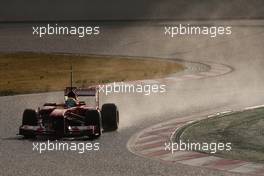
{"type": "Point", "coordinates": [62, 120]}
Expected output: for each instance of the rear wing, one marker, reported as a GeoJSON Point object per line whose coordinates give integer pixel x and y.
{"type": "Point", "coordinates": [90, 91]}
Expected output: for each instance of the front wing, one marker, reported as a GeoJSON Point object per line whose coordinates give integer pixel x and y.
{"type": "Point", "coordinates": [69, 131]}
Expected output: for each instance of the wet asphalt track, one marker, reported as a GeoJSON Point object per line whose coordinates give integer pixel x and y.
{"type": "Point", "coordinates": [243, 87]}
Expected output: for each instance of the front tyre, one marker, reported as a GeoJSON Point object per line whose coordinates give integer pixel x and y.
{"type": "Point", "coordinates": [110, 117]}
{"type": "Point", "coordinates": [59, 127]}
{"type": "Point", "coordinates": [93, 117]}
{"type": "Point", "coordinates": [29, 118]}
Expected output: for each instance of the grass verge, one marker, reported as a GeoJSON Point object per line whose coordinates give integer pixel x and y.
{"type": "Point", "coordinates": [38, 72]}
{"type": "Point", "coordinates": [245, 130]}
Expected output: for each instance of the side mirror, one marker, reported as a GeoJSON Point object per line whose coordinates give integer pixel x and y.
{"type": "Point", "coordinates": [82, 103]}
{"type": "Point", "coordinates": [50, 104]}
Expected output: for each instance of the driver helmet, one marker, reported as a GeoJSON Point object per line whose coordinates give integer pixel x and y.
{"type": "Point", "coordinates": [72, 94]}
{"type": "Point", "coordinates": [71, 100]}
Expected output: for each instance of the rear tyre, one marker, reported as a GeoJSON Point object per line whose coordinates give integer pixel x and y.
{"type": "Point", "coordinates": [29, 118]}
{"type": "Point", "coordinates": [110, 117]}
{"type": "Point", "coordinates": [94, 118]}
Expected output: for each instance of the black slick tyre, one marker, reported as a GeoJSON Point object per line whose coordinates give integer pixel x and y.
{"type": "Point", "coordinates": [110, 117]}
